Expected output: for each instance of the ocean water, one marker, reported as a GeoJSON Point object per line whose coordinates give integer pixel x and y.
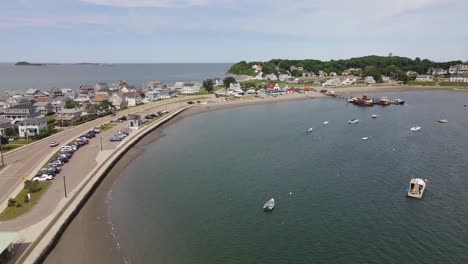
{"type": "Point", "coordinates": [73, 75]}
{"type": "Point", "coordinates": [196, 194]}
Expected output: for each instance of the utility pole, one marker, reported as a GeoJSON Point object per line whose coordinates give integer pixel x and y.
{"type": "Point", "coordinates": [65, 186]}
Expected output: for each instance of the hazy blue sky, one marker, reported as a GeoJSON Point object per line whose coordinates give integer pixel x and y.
{"type": "Point", "coordinates": [230, 30]}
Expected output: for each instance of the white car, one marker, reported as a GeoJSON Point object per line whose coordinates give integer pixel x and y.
{"type": "Point", "coordinates": [67, 148]}
{"type": "Point", "coordinates": [44, 177]}
{"type": "Point", "coordinates": [53, 144]}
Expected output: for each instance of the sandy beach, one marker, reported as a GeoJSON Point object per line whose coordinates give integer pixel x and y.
{"type": "Point", "coordinates": [89, 238]}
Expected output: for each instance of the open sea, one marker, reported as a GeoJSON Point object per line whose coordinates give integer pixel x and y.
{"type": "Point", "coordinates": [73, 75]}
{"type": "Point", "coordinates": [196, 194]}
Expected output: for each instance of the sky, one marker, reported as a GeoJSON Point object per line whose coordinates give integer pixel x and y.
{"type": "Point", "coordinates": [159, 31]}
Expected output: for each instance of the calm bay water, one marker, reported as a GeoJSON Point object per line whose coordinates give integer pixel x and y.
{"type": "Point", "coordinates": [73, 75]}
{"type": "Point", "coordinates": [196, 195]}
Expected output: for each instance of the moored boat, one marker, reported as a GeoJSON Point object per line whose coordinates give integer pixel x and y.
{"type": "Point", "coordinates": [415, 128]}
{"type": "Point", "coordinates": [398, 101]}
{"type": "Point", "coordinates": [269, 205]}
{"type": "Point", "coordinates": [364, 101]}
{"type": "Point", "coordinates": [309, 130]}
{"type": "Point", "coordinates": [416, 188]}
{"type": "Point", "coordinates": [365, 138]}
{"type": "Point", "coordinates": [374, 116]}
{"type": "Point", "coordinates": [443, 121]}
{"type": "Point", "coordinates": [325, 123]}
{"type": "Point", "coordinates": [383, 101]}
{"type": "Point", "coordinates": [353, 121]}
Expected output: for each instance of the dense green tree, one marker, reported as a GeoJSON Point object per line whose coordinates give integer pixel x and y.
{"type": "Point", "coordinates": [208, 85]}
{"type": "Point", "coordinates": [105, 104]}
{"type": "Point", "coordinates": [11, 132]}
{"type": "Point", "coordinates": [228, 80]}
{"type": "Point", "coordinates": [374, 72]}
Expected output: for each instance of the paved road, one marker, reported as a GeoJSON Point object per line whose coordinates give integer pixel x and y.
{"type": "Point", "coordinates": [23, 163]}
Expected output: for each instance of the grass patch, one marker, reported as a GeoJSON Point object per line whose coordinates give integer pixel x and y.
{"type": "Point", "coordinates": [21, 206]}
{"type": "Point", "coordinates": [421, 83]}
{"type": "Point", "coordinates": [106, 126]}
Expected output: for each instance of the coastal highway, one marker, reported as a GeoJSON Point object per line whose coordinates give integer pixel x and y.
{"type": "Point", "coordinates": [23, 163]}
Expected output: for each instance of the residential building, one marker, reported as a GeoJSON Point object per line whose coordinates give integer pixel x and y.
{"type": "Point", "coordinates": [424, 78]}
{"type": "Point", "coordinates": [271, 77]}
{"type": "Point", "coordinates": [283, 77]}
{"type": "Point", "coordinates": [4, 125]}
{"type": "Point", "coordinates": [235, 87]}
{"type": "Point", "coordinates": [257, 68]}
{"type": "Point", "coordinates": [167, 93]}
{"type": "Point", "coordinates": [153, 84]}
{"type": "Point", "coordinates": [133, 98]}
{"type": "Point", "coordinates": [34, 92]}
{"type": "Point", "coordinates": [12, 101]}
{"type": "Point", "coordinates": [58, 103]}
{"type": "Point", "coordinates": [82, 99]}
{"type": "Point", "coordinates": [349, 81]}
{"type": "Point", "coordinates": [437, 71]}
{"type": "Point", "coordinates": [101, 87]}
{"type": "Point", "coordinates": [20, 112]}
{"type": "Point", "coordinates": [369, 80]}
{"type": "Point", "coordinates": [152, 96]}
{"type": "Point", "coordinates": [273, 87]}
{"type": "Point", "coordinates": [190, 87]}
{"type": "Point", "coordinates": [332, 82]}
{"type": "Point", "coordinates": [99, 98]}
{"type": "Point", "coordinates": [69, 115]}
{"type": "Point", "coordinates": [459, 69]}
{"type": "Point", "coordinates": [86, 90]}
{"type": "Point", "coordinates": [411, 74]}
{"type": "Point", "coordinates": [44, 108]}
{"type": "Point", "coordinates": [32, 127]}
{"type": "Point", "coordinates": [118, 101]}
{"type": "Point", "coordinates": [217, 82]}
{"type": "Point", "coordinates": [42, 99]}
{"type": "Point", "coordinates": [459, 79]}
{"type": "Point", "coordinates": [69, 93]}
{"type": "Point", "coordinates": [333, 74]}
{"type": "Point", "coordinates": [55, 92]}
{"type": "Point", "coordinates": [134, 121]}
{"type": "Point", "coordinates": [294, 68]}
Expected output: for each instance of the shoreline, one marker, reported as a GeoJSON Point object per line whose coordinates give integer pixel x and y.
{"type": "Point", "coordinates": [93, 220]}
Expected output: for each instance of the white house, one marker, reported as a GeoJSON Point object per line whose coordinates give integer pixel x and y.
{"type": "Point", "coordinates": [271, 77]}
{"type": "Point", "coordinates": [459, 79]}
{"type": "Point", "coordinates": [190, 88]}
{"type": "Point", "coordinates": [283, 77]}
{"type": "Point", "coordinates": [217, 82]}
{"type": "Point", "coordinates": [235, 87]}
{"type": "Point", "coordinates": [32, 127]}
{"type": "Point", "coordinates": [133, 98]}
{"type": "Point", "coordinates": [349, 81]}
{"type": "Point", "coordinates": [333, 74]}
{"type": "Point", "coordinates": [332, 82]}
{"type": "Point", "coordinates": [424, 78]}
{"type": "Point", "coordinates": [152, 96]}
{"type": "Point", "coordinates": [458, 69]}
{"type": "Point", "coordinates": [134, 121]}
{"type": "Point", "coordinates": [369, 80]}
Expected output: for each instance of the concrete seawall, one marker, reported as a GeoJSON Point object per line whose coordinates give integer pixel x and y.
{"type": "Point", "coordinates": [38, 251]}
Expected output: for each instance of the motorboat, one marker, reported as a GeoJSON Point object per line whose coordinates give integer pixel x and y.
{"type": "Point", "coordinates": [353, 121]}
{"type": "Point", "coordinates": [398, 101]}
{"type": "Point", "coordinates": [325, 123]}
{"type": "Point", "coordinates": [383, 101]}
{"type": "Point", "coordinates": [415, 128]}
{"type": "Point", "coordinates": [416, 188]}
{"type": "Point", "coordinates": [309, 130]}
{"type": "Point", "coordinates": [352, 100]}
{"type": "Point", "coordinates": [374, 116]}
{"type": "Point", "coordinates": [269, 206]}
{"type": "Point", "coordinates": [365, 138]}
{"type": "Point", "coordinates": [443, 121]}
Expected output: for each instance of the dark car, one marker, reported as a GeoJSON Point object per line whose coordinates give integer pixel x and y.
{"type": "Point", "coordinates": [66, 154]}
{"type": "Point", "coordinates": [190, 102]}
{"type": "Point", "coordinates": [154, 115]}
{"type": "Point", "coordinates": [46, 171]}
{"type": "Point", "coordinates": [149, 117]}
{"type": "Point", "coordinates": [62, 159]}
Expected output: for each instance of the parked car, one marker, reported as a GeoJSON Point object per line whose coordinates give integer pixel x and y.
{"type": "Point", "coordinates": [154, 115]}
{"type": "Point", "coordinates": [46, 171]}
{"type": "Point", "coordinates": [62, 159]}
{"type": "Point", "coordinates": [66, 148]}
{"type": "Point", "coordinates": [116, 138]}
{"type": "Point", "coordinates": [53, 144]}
{"type": "Point", "coordinates": [160, 113]}
{"type": "Point", "coordinates": [95, 130]}
{"type": "Point", "coordinates": [83, 140]}
{"type": "Point", "coordinates": [165, 111]}
{"type": "Point", "coordinates": [43, 177]}
{"type": "Point", "coordinates": [149, 117]}
{"type": "Point", "coordinates": [190, 102]}
{"type": "Point", "coordinates": [57, 163]}
{"type": "Point", "coordinates": [54, 169]}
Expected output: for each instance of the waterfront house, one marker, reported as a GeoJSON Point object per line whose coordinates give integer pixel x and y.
{"type": "Point", "coordinates": [134, 121]}
{"type": "Point", "coordinates": [271, 77]}
{"type": "Point", "coordinates": [101, 87]}
{"type": "Point", "coordinates": [349, 81]}
{"type": "Point", "coordinates": [87, 90]}
{"type": "Point", "coordinates": [217, 82]}
{"type": "Point", "coordinates": [153, 84]}
{"type": "Point", "coordinates": [32, 127]}
{"type": "Point", "coordinates": [236, 88]}
{"type": "Point", "coordinates": [12, 101]}
{"type": "Point", "coordinates": [34, 92]}
{"type": "Point", "coordinates": [463, 79]}
{"type": "Point", "coordinates": [20, 112]}
{"type": "Point", "coordinates": [332, 82]}
{"type": "Point", "coordinates": [273, 87]}
{"type": "Point", "coordinates": [283, 77]}
{"type": "Point", "coordinates": [412, 74]}
{"type": "Point", "coordinates": [251, 91]}
{"type": "Point", "coordinates": [133, 98]}
{"type": "Point", "coordinates": [118, 101]}
{"type": "Point", "coordinates": [55, 92]}
{"type": "Point", "coordinates": [43, 108]}
{"type": "Point", "coordinates": [4, 125]}
{"type": "Point", "coordinates": [167, 93]}
{"type": "Point", "coordinates": [58, 103]}
{"type": "Point", "coordinates": [424, 78]}
{"type": "Point", "coordinates": [68, 93]}
{"type": "Point", "coordinates": [152, 96]}
{"type": "Point", "coordinates": [459, 69]}
{"type": "Point", "coordinates": [69, 116]}
{"type": "Point", "coordinates": [369, 80]}
{"type": "Point", "coordinates": [82, 99]}
{"type": "Point", "coordinates": [190, 88]}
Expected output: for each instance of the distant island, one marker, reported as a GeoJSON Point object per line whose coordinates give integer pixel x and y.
{"type": "Point", "coordinates": [25, 63]}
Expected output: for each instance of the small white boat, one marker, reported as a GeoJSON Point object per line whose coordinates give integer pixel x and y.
{"type": "Point", "coordinates": [269, 205]}
{"type": "Point", "coordinates": [353, 121]}
{"type": "Point", "coordinates": [416, 188]}
{"type": "Point", "coordinates": [443, 121]}
{"type": "Point", "coordinates": [415, 128]}
{"type": "Point", "coordinates": [365, 138]}
{"type": "Point", "coordinates": [325, 123]}
{"type": "Point", "coordinates": [309, 130]}
{"type": "Point", "coordinates": [374, 116]}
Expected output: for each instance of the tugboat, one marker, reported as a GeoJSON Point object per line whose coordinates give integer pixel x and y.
{"type": "Point", "coordinates": [416, 188]}
{"type": "Point", "coordinates": [269, 206]}
{"type": "Point", "coordinates": [353, 121]}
